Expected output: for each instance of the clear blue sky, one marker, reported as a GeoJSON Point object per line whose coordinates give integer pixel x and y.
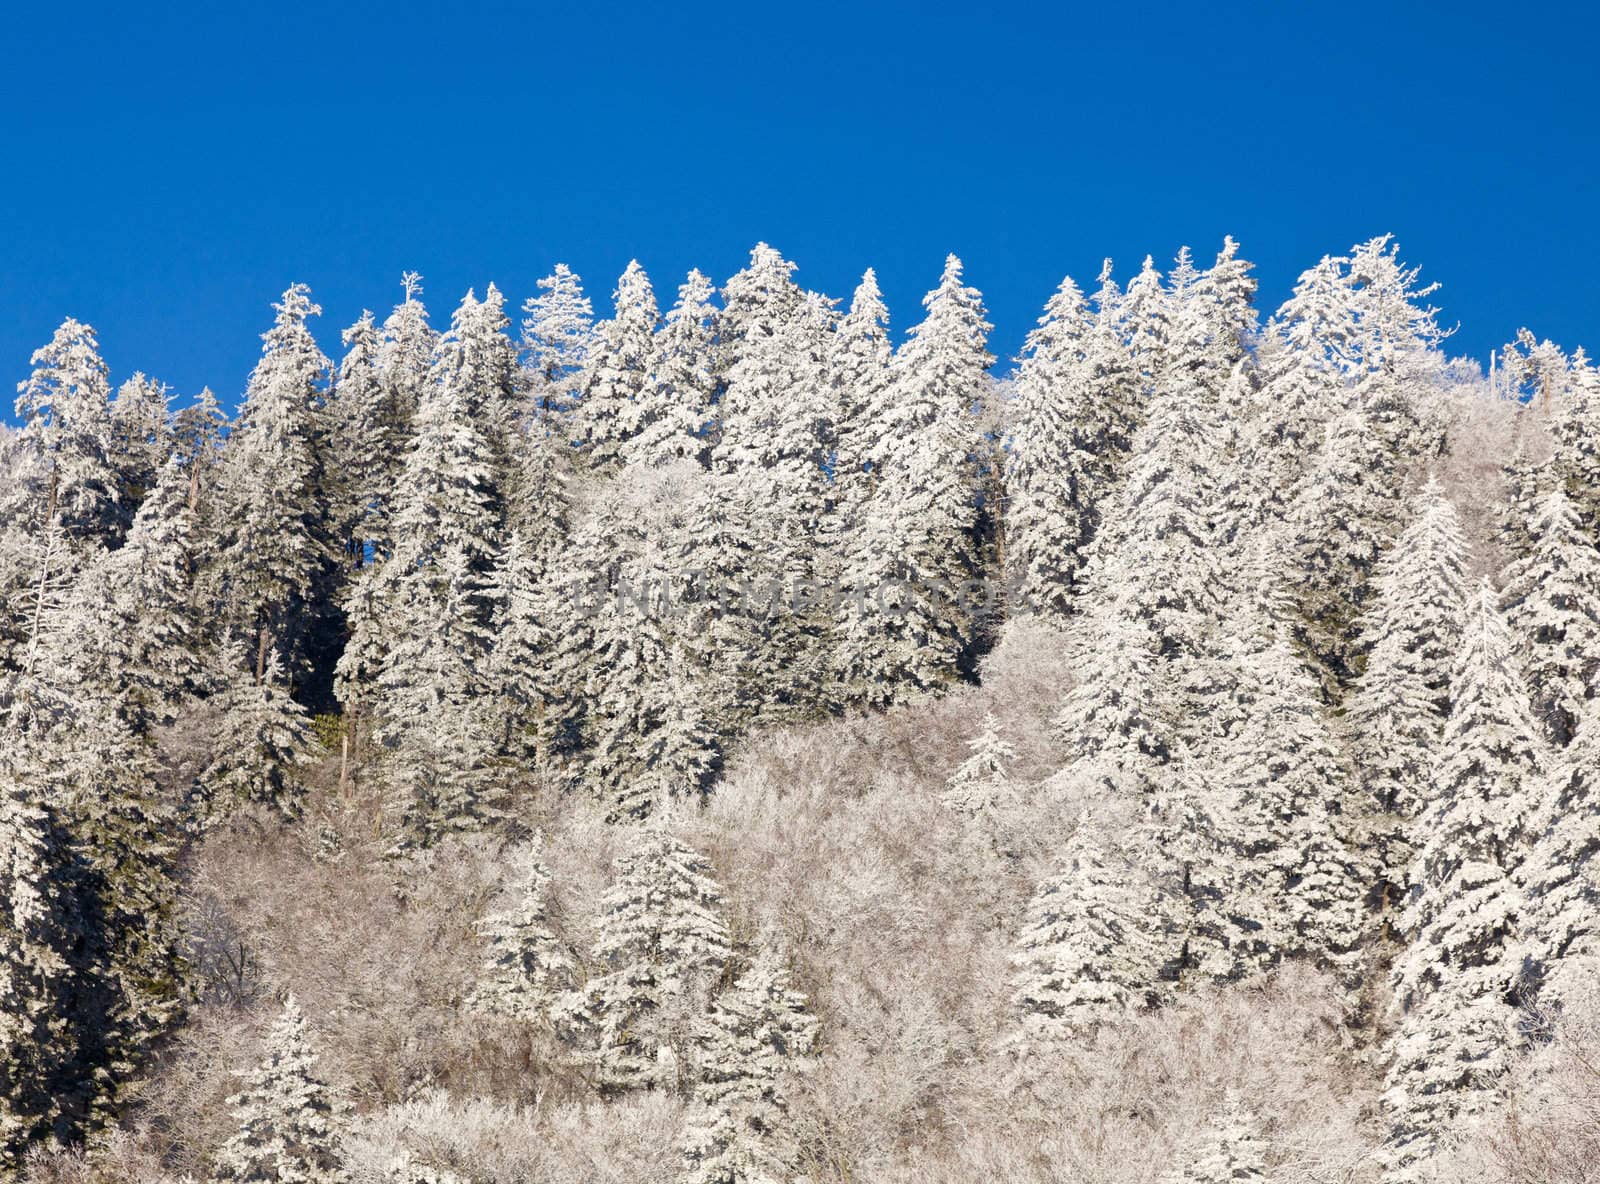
{"type": "Point", "coordinates": [168, 169]}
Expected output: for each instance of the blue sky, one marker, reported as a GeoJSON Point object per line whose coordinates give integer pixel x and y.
{"type": "Point", "coordinates": [169, 169]}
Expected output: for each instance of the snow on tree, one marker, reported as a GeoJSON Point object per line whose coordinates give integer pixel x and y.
{"type": "Point", "coordinates": [44, 1083]}
{"type": "Point", "coordinates": [475, 367]}
{"type": "Point", "coordinates": [276, 547]}
{"type": "Point", "coordinates": [1296, 884]}
{"type": "Point", "coordinates": [1052, 460]}
{"type": "Point", "coordinates": [1395, 715]}
{"type": "Point", "coordinates": [913, 619]}
{"type": "Point", "coordinates": [617, 373]}
{"type": "Point", "coordinates": [529, 966]}
{"type": "Point", "coordinates": [288, 1118]}
{"type": "Point", "coordinates": [859, 368]}
{"type": "Point", "coordinates": [65, 411]}
{"type": "Point", "coordinates": [1552, 600]}
{"type": "Point", "coordinates": [261, 747]}
{"type": "Point", "coordinates": [759, 1031]}
{"type": "Point", "coordinates": [661, 938]}
{"type": "Point", "coordinates": [141, 437]}
{"type": "Point", "coordinates": [980, 783]}
{"type": "Point", "coordinates": [1230, 1149]}
{"type": "Point", "coordinates": [673, 409]}
{"type": "Point", "coordinates": [1338, 525]}
{"type": "Point", "coordinates": [1452, 986]}
{"type": "Point", "coordinates": [150, 575]}
{"type": "Point", "coordinates": [1093, 944]}
{"type": "Point", "coordinates": [1116, 720]}
{"type": "Point", "coordinates": [361, 445]}
{"type": "Point", "coordinates": [405, 357]}
{"type": "Point", "coordinates": [557, 334]}
{"type": "Point", "coordinates": [1561, 875]}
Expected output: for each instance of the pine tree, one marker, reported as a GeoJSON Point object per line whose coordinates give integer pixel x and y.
{"type": "Point", "coordinates": [261, 750]}
{"type": "Point", "coordinates": [1338, 525]}
{"type": "Point", "coordinates": [758, 1032]}
{"type": "Point", "coordinates": [1093, 945]}
{"type": "Point", "coordinates": [362, 445]}
{"type": "Point", "coordinates": [405, 357]}
{"type": "Point", "coordinates": [557, 335]}
{"type": "Point", "coordinates": [914, 619]}
{"type": "Point", "coordinates": [1453, 1037]}
{"type": "Point", "coordinates": [140, 439]}
{"type": "Point", "coordinates": [1409, 638]}
{"type": "Point", "coordinates": [674, 407]}
{"type": "Point", "coordinates": [1296, 884]}
{"type": "Point", "coordinates": [1552, 599]}
{"type": "Point", "coordinates": [45, 1084]}
{"type": "Point", "coordinates": [65, 411]}
{"type": "Point", "coordinates": [528, 965]}
{"type": "Point", "coordinates": [288, 1117]}
{"type": "Point", "coordinates": [660, 936]}
{"type": "Point", "coordinates": [1052, 461]}
{"type": "Point", "coordinates": [859, 369]}
{"type": "Point", "coordinates": [980, 783]}
{"type": "Point", "coordinates": [1561, 876]}
{"type": "Point", "coordinates": [276, 549]}
{"type": "Point", "coordinates": [616, 376]}
{"type": "Point", "coordinates": [1231, 1149]}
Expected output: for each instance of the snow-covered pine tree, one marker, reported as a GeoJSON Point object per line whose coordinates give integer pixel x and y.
{"type": "Point", "coordinates": [141, 438]}
{"type": "Point", "coordinates": [616, 374]}
{"type": "Point", "coordinates": [529, 966]}
{"type": "Point", "coordinates": [1552, 601]}
{"type": "Point", "coordinates": [1229, 1151]}
{"type": "Point", "coordinates": [1409, 639]}
{"type": "Point", "coordinates": [859, 371]}
{"type": "Point", "coordinates": [1577, 433]}
{"type": "Point", "coordinates": [1561, 875]}
{"type": "Point", "coordinates": [1093, 946]}
{"type": "Point", "coordinates": [661, 939]}
{"type": "Point", "coordinates": [1052, 461]}
{"type": "Point", "coordinates": [980, 784]}
{"type": "Point", "coordinates": [276, 549]}
{"type": "Point", "coordinates": [45, 1084]}
{"type": "Point", "coordinates": [150, 579]}
{"type": "Point", "coordinates": [759, 1031]}
{"type": "Point", "coordinates": [557, 334]}
{"type": "Point", "coordinates": [475, 366]}
{"type": "Point", "coordinates": [362, 446]}
{"type": "Point", "coordinates": [1453, 1035]}
{"type": "Point", "coordinates": [288, 1117]}
{"type": "Point", "coordinates": [405, 358]}
{"type": "Point", "coordinates": [261, 747]}
{"type": "Point", "coordinates": [1339, 523]}
{"type": "Point", "coordinates": [674, 406]}
{"type": "Point", "coordinates": [917, 580]}
{"type": "Point", "coordinates": [65, 410]}
{"type": "Point", "coordinates": [1296, 883]}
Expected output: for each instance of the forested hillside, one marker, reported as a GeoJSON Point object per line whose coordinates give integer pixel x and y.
{"type": "Point", "coordinates": [743, 742]}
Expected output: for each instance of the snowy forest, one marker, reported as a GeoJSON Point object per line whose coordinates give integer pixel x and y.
{"type": "Point", "coordinates": [748, 743]}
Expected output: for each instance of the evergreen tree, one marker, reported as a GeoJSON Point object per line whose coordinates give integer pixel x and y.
{"type": "Point", "coordinates": [1552, 598]}
{"type": "Point", "coordinates": [1230, 1150]}
{"type": "Point", "coordinates": [261, 750]}
{"type": "Point", "coordinates": [1092, 947]}
{"type": "Point", "coordinates": [288, 1117]}
{"type": "Point", "coordinates": [529, 966]}
{"type": "Point", "coordinates": [141, 439]}
{"type": "Point", "coordinates": [1409, 638]}
{"type": "Point", "coordinates": [674, 407]}
{"type": "Point", "coordinates": [45, 1084]}
{"type": "Point", "coordinates": [758, 1032]}
{"type": "Point", "coordinates": [276, 549]}
{"type": "Point", "coordinates": [1340, 522]}
{"type": "Point", "coordinates": [980, 783]}
{"type": "Point", "coordinates": [660, 935]}
{"type": "Point", "coordinates": [1561, 875]}
{"type": "Point", "coordinates": [65, 411]}
{"type": "Point", "coordinates": [1052, 461]}
{"type": "Point", "coordinates": [1452, 985]}
{"type": "Point", "coordinates": [616, 376]}
{"type": "Point", "coordinates": [557, 334]}
{"type": "Point", "coordinates": [405, 357]}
